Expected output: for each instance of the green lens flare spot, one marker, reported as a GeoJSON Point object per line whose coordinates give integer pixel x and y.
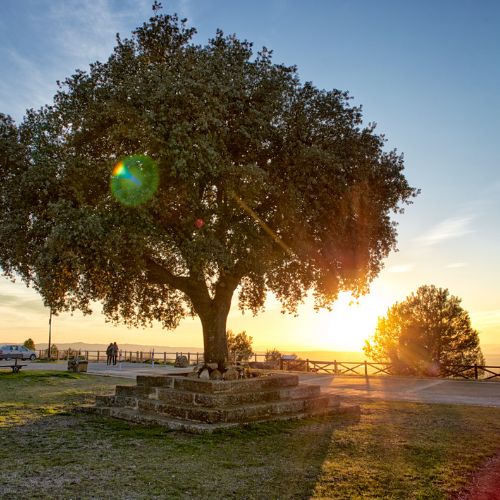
{"type": "Point", "coordinates": [134, 180]}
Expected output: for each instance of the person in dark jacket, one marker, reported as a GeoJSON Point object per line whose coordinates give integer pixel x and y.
{"type": "Point", "coordinates": [115, 352]}
{"type": "Point", "coordinates": [109, 353]}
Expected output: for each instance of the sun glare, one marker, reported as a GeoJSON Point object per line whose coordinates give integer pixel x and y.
{"type": "Point", "coordinates": [350, 323]}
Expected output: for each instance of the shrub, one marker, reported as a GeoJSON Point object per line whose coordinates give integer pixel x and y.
{"type": "Point", "coordinates": [239, 346]}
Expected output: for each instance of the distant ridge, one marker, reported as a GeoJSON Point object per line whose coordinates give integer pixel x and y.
{"type": "Point", "coordinates": [313, 355]}
{"type": "Point", "coordinates": [84, 346]}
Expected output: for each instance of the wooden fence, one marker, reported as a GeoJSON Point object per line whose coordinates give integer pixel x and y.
{"type": "Point", "coordinates": [359, 368]}
{"type": "Point", "coordinates": [369, 369]}
{"type": "Point", "coordinates": [129, 356]}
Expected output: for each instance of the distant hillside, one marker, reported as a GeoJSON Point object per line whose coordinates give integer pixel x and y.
{"type": "Point", "coordinates": [83, 346]}
{"type": "Point", "coordinates": [313, 355]}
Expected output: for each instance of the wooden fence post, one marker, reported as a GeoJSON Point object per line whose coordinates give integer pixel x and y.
{"type": "Point", "coordinates": [197, 357]}
{"type": "Point", "coordinates": [366, 369]}
{"type": "Point", "coordinates": [475, 371]}
{"type": "Point", "coordinates": [307, 365]}
{"type": "Point", "coordinates": [335, 368]}
{"type": "Point", "coordinates": [98, 356]}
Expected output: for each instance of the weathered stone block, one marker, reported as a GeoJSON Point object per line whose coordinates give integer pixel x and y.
{"type": "Point", "coordinates": [242, 385]}
{"type": "Point", "coordinates": [133, 390]}
{"type": "Point", "coordinates": [215, 375]}
{"type": "Point", "coordinates": [155, 380]}
{"type": "Point", "coordinates": [231, 374]}
{"type": "Point", "coordinates": [181, 362]}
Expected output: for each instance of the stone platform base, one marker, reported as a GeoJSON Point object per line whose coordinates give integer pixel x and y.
{"type": "Point", "coordinates": [196, 405]}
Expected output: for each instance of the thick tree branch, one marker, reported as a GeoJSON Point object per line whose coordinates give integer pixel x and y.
{"type": "Point", "coordinates": [161, 276]}
{"type": "Point", "coordinates": [194, 288]}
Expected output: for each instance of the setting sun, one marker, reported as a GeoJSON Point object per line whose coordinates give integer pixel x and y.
{"type": "Point", "coordinates": [349, 323]}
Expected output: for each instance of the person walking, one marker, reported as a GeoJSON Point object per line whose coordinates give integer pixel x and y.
{"type": "Point", "coordinates": [115, 352]}
{"type": "Point", "coordinates": [109, 354]}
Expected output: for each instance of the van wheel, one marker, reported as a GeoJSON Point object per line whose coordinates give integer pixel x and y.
{"type": "Point", "coordinates": [32, 357]}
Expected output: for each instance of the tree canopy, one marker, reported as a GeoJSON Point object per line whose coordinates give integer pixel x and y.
{"type": "Point", "coordinates": [427, 331]}
{"type": "Point", "coordinates": [265, 184]}
{"type": "Point", "coordinates": [239, 345]}
{"type": "Point", "coordinates": [29, 344]}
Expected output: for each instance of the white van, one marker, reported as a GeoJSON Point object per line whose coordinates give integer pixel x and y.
{"type": "Point", "coordinates": [12, 351]}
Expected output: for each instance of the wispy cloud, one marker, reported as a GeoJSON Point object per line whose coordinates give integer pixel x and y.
{"type": "Point", "coordinates": [455, 265]}
{"type": "Point", "coordinates": [86, 30]}
{"type": "Point", "coordinates": [446, 230]}
{"type": "Point", "coordinates": [81, 33]}
{"type": "Point", "coordinates": [33, 87]}
{"type": "Point", "coordinates": [401, 268]}
{"type": "Point", "coordinates": [486, 318]}
{"type": "Point", "coordinates": [20, 305]}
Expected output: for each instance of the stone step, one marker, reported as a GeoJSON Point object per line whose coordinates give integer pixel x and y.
{"type": "Point", "coordinates": [137, 391]}
{"type": "Point", "coordinates": [116, 401]}
{"type": "Point", "coordinates": [241, 413]}
{"type": "Point", "coordinates": [277, 381]}
{"type": "Point", "coordinates": [142, 417]}
{"type": "Point", "coordinates": [211, 400]}
{"type": "Point", "coordinates": [126, 392]}
{"type": "Point", "coordinates": [194, 405]}
{"type": "Point", "coordinates": [128, 396]}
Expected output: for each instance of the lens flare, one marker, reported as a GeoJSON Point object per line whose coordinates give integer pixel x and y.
{"type": "Point", "coordinates": [134, 180]}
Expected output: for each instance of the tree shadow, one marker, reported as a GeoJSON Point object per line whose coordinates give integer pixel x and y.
{"type": "Point", "coordinates": [71, 453]}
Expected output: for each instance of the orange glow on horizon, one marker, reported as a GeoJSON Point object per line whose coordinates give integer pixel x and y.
{"type": "Point", "coordinates": [348, 325]}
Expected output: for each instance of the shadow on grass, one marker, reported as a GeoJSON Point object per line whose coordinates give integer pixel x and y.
{"type": "Point", "coordinates": [409, 450]}
{"type": "Point", "coordinates": [72, 454]}
{"type": "Point", "coordinates": [395, 450]}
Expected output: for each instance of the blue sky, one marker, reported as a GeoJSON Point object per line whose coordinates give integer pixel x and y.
{"type": "Point", "coordinates": [428, 73]}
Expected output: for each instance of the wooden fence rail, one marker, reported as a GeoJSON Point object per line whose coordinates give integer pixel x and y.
{"type": "Point", "coordinates": [363, 368]}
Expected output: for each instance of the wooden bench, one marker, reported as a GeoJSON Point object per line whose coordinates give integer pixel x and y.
{"type": "Point", "coordinates": [15, 367]}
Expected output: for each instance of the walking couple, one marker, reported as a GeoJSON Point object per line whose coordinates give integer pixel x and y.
{"type": "Point", "coordinates": [112, 353]}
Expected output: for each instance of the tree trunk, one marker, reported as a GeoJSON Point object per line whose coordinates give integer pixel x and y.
{"type": "Point", "coordinates": [213, 315]}
{"type": "Point", "coordinates": [214, 321]}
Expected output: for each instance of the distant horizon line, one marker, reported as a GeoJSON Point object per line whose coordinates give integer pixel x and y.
{"type": "Point", "coordinates": [187, 348]}
{"type": "Point", "coordinates": [486, 348]}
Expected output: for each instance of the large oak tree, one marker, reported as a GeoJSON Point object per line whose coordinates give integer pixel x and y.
{"type": "Point", "coordinates": [267, 184]}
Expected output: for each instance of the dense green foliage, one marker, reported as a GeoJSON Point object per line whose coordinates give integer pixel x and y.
{"type": "Point", "coordinates": [266, 184]}
{"type": "Point", "coordinates": [273, 355]}
{"type": "Point", "coordinates": [239, 345]}
{"type": "Point", "coordinates": [424, 333]}
{"type": "Point", "coordinates": [54, 351]}
{"type": "Point", "coordinates": [29, 344]}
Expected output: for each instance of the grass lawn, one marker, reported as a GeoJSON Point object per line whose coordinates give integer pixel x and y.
{"type": "Point", "coordinates": [395, 450]}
